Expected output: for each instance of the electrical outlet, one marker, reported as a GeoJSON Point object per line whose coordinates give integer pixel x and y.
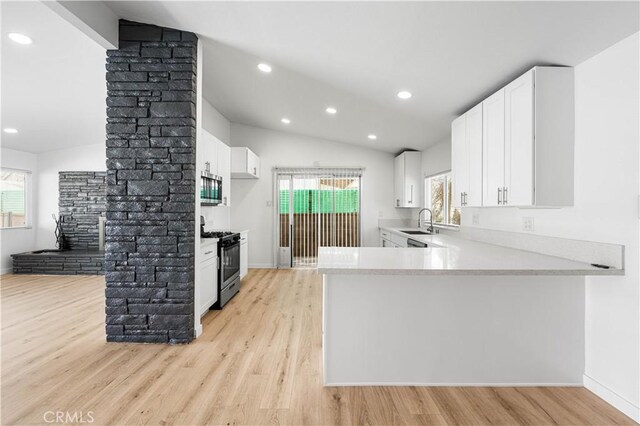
{"type": "Point", "coordinates": [528, 224]}
{"type": "Point", "coordinates": [476, 218]}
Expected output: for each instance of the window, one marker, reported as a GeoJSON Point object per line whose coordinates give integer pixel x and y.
{"type": "Point", "coordinates": [438, 198]}
{"type": "Point", "coordinates": [14, 205]}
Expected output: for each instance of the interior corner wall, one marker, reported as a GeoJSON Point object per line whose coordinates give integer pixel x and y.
{"type": "Point", "coordinates": [605, 209]}
{"type": "Point", "coordinates": [21, 239]}
{"type": "Point", "coordinates": [88, 158]}
{"type": "Point", "coordinates": [215, 123]}
{"type": "Point", "coordinates": [252, 199]}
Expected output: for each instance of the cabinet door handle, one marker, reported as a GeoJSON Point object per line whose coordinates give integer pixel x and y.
{"type": "Point", "coordinates": [499, 196]}
{"type": "Point", "coordinates": [397, 203]}
{"type": "Point", "coordinates": [466, 199]}
{"type": "Point", "coordinates": [208, 252]}
{"type": "Point", "coordinates": [504, 193]}
{"type": "Point", "coordinates": [410, 194]}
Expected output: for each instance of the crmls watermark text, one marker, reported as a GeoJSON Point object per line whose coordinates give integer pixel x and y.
{"type": "Point", "coordinates": [68, 417]}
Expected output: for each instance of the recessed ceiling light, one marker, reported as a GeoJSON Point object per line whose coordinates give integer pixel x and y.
{"type": "Point", "coordinates": [331, 110]}
{"type": "Point", "coordinates": [286, 120]}
{"type": "Point", "coordinates": [372, 137]}
{"type": "Point", "coordinates": [20, 38]}
{"type": "Point", "coordinates": [10, 130]}
{"type": "Point", "coordinates": [264, 68]}
{"type": "Point", "coordinates": [404, 94]}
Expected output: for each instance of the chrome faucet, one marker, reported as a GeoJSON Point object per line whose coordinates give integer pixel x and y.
{"type": "Point", "coordinates": [430, 229]}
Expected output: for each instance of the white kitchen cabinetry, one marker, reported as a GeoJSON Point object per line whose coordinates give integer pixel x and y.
{"type": "Point", "coordinates": [408, 179]}
{"type": "Point", "coordinates": [493, 149]}
{"type": "Point", "coordinates": [387, 239]}
{"type": "Point", "coordinates": [528, 141]}
{"type": "Point", "coordinates": [244, 253]}
{"type": "Point", "coordinates": [215, 152]}
{"type": "Point", "coordinates": [224, 170]}
{"type": "Point", "coordinates": [466, 143]}
{"type": "Point", "coordinates": [208, 278]}
{"type": "Point", "coordinates": [244, 163]}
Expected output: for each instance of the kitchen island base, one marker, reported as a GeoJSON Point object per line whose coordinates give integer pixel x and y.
{"type": "Point", "coordinates": [453, 330]}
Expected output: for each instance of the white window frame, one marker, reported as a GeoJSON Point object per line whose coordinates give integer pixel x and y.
{"type": "Point", "coordinates": [28, 204]}
{"type": "Point", "coordinates": [427, 198]}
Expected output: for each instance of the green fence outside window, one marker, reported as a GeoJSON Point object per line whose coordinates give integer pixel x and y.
{"type": "Point", "coordinates": [320, 201]}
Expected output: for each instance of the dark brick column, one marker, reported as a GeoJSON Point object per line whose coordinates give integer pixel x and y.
{"type": "Point", "coordinates": [149, 250]}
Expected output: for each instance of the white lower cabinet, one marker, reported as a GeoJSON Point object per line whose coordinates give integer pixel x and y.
{"type": "Point", "coordinates": [244, 254]}
{"type": "Point", "coordinates": [387, 239]}
{"type": "Point", "coordinates": [208, 278]}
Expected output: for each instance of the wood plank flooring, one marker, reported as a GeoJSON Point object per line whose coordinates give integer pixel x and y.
{"type": "Point", "coordinates": [258, 362]}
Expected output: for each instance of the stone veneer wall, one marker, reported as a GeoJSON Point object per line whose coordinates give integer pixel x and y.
{"type": "Point", "coordinates": [81, 201]}
{"type": "Point", "coordinates": [150, 230]}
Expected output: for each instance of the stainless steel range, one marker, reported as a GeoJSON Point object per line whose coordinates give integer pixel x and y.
{"type": "Point", "coordinates": [228, 264]}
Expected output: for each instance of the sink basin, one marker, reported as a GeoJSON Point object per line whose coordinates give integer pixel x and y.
{"type": "Point", "coordinates": [413, 232]}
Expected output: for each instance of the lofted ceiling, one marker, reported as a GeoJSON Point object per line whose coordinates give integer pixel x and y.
{"type": "Point", "coordinates": [53, 91]}
{"type": "Point", "coordinates": [356, 56]}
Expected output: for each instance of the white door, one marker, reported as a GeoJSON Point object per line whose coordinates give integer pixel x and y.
{"type": "Point", "coordinates": [459, 160]}
{"type": "Point", "coordinates": [519, 141]}
{"type": "Point", "coordinates": [399, 196]}
{"type": "Point", "coordinates": [207, 152]}
{"type": "Point", "coordinates": [252, 163]}
{"type": "Point", "coordinates": [493, 149]}
{"type": "Point", "coordinates": [473, 195]}
{"type": "Point", "coordinates": [209, 284]}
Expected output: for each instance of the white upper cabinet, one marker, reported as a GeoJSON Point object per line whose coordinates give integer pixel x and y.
{"type": "Point", "coordinates": [213, 151]}
{"type": "Point", "coordinates": [527, 143]}
{"type": "Point", "coordinates": [408, 179]}
{"type": "Point", "coordinates": [466, 144]}
{"type": "Point", "coordinates": [224, 170]}
{"type": "Point", "coordinates": [473, 196]}
{"type": "Point", "coordinates": [207, 152]}
{"type": "Point", "coordinates": [493, 149]}
{"type": "Point", "coordinates": [519, 153]}
{"type": "Point", "coordinates": [244, 164]}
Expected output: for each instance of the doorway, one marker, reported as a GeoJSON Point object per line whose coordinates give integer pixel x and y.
{"type": "Point", "coordinates": [316, 208]}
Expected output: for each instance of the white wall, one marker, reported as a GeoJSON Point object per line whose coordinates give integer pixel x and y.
{"type": "Point", "coordinates": [249, 208]}
{"type": "Point", "coordinates": [82, 158]}
{"type": "Point", "coordinates": [215, 123]}
{"type": "Point", "coordinates": [218, 217]}
{"type": "Point", "coordinates": [605, 210]}
{"type": "Point", "coordinates": [437, 158]}
{"type": "Point", "coordinates": [24, 239]}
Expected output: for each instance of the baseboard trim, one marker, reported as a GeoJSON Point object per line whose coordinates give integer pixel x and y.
{"type": "Point", "coordinates": [6, 271]}
{"type": "Point", "coordinates": [261, 266]}
{"type": "Point", "coordinates": [495, 385]}
{"type": "Point", "coordinates": [619, 402]}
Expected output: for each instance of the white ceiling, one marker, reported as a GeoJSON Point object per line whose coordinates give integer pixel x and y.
{"type": "Point", "coordinates": [357, 55]}
{"type": "Point", "coordinates": [53, 91]}
{"type": "Point", "coordinates": [354, 56]}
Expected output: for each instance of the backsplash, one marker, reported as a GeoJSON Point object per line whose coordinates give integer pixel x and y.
{"type": "Point", "coordinates": [81, 202]}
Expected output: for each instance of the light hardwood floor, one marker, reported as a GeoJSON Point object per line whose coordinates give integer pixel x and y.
{"type": "Point", "coordinates": [257, 362]}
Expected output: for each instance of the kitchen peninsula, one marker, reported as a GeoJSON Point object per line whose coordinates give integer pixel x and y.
{"type": "Point", "coordinates": [459, 313]}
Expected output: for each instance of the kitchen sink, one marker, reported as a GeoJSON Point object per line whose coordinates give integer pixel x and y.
{"type": "Point", "coordinates": [414, 232]}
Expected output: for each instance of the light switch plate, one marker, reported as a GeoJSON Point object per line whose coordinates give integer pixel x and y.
{"type": "Point", "coordinates": [269, 203]}
{"type": "Point", "coordinates": [476, 218]}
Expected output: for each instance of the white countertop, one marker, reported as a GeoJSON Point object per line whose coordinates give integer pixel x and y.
{"type": "Point", "coordinates": [456, 256]}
